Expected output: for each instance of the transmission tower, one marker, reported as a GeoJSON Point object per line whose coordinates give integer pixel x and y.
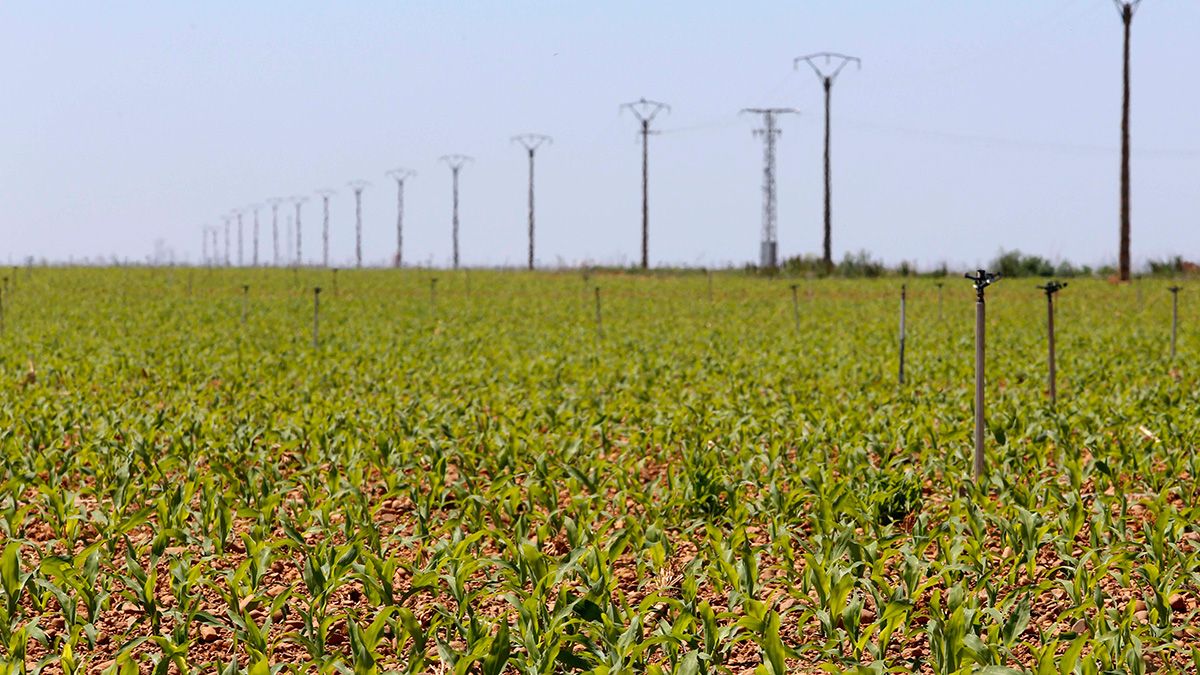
{"type": "Point", "coordinates": [358, 186]}
{"type": "Point", "coordinates": [827, 66]}
{"type": "Point", "coordinates": [254, 255]}
{"type": "Point", "coordinates": [290, 238]}
{"type": "Point", "coordinates": [1127, 9]}
{"type": "Point", "coordinates": [275, 202]}
{"type": "Point", "coordinates": [769, 253]}
{"type": "Point", "coordinates": [299, 200]}
{"type": "Point", "coordinates": [400, 175]}
{"type": "Point", "coordinates": [531, 142]}
{"type": "Point", "coordinates": [239, 213]}
{"type": "Point", "coordinates": [325, 195]}
{"type": "Point", "coordinates": [456, 163]}
{"type": "Point", "coordinates": [645, 111]}
{"type": "Point", "coordinates": [227, 220]}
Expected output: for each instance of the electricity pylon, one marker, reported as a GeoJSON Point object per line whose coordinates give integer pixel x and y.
{"type": "Point", "coordinates": [239, 213]}
{"type": "Point", "coordinates": [299, 201]}
{"type": "Point", "coordinates": [254, 250]}
{"type": "Point", "coordinates": [358, 186]}
{"type": "Point", "coordinates": [1127, 9]}
{"type": "Point", "coordinates": [325, 194]}
{"type": "Point", "coordinates": [769, 252]}
{"type": "Point", "coordinates": [531, 142]}
{"type": "Point", "coordinates": [456, 163]}
{"type": "Point", "coordinates": [275, 202]}
{"type": "Point", "coordinates": [227, 220]}
{"type": "Point", "coordinates": [400, 175]}
{"type": "Point", "coordinates": [827, 66]}
{"type": "Point", "coordinates": [645, 111]}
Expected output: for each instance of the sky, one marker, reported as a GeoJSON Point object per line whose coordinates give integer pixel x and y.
{"type": "Point", "coordinates": [971, 126]}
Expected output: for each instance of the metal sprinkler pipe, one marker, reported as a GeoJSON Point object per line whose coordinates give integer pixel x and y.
{"type": "Point", "coordinates": [982, 279]}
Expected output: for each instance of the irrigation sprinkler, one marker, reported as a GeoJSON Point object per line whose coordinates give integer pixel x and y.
{"type": "Point", "coordinates": [903, 300]}
{"type": "Point", "coordinates": [708, 273]}
{"type": "Point", "coordinates": [939, 287]}
{"type": "Point", "coordinates": [245, 301]}
{"type": "Point", "coordinates": [335, 284]}
{"type": "Point", "coordinates": [316, 315]}
{"type": "Point", "coordinates": [1051, 288]}
{"type": "Point", "coordinates": [981, 280]}
{"type": "Point", "coordinates": [796, 306]}
{"type": "Point", "coordinates": [433, 294]}
{"type": "Point", "coordinates": [1174, 316]}
{"type": "Point", "coordinates": [599, 324]}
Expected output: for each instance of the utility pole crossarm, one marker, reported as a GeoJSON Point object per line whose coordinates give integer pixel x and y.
{"type": "Point", "coordinates": [1122, 5]}
{"type": "Point", "coordinates": [644, 109]}
{"type": "Point", "coordinates": [532, 142]}
{"type": "Point", "coordinates": [827, 65]}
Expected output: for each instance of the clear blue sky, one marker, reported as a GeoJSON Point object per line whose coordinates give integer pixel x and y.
{"type": "Point", "coordinates": [972, 125]}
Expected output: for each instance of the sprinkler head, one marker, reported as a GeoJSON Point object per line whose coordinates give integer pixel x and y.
{"type": "Point", "coordinates": [982, 279]}
{"type": "Point", "coordinates": [1053, 287]}
{"type": "Point", "coordinates": [1175, 289]}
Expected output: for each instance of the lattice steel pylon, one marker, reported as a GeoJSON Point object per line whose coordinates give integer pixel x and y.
{"type": "Point", "coordinates": [768, 257]}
